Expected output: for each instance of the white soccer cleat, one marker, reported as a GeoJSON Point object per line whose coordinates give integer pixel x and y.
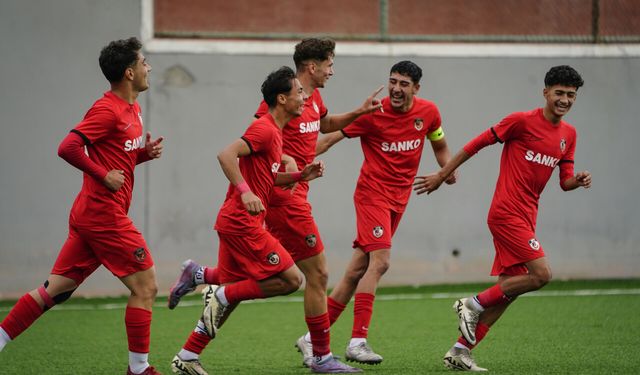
{"type": "Point", "coordinates": [461, 359]}
{"type": "Point", "coordinates": [213, 312]}
{"type": "Point", "coordinates": [306, 349]}
{"type": "Point", "coordinates": [467, 319]}
{"type": "Point", "coordinates": [362, 353]}
{"type": "Point", "coordinates": [190, 367]}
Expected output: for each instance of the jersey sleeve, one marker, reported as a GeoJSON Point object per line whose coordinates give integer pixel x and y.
{"type": "Point", "coordinates": [435, 132]}
{"type": "Point", "coordinates": [96, 124]}
{"type": "Point", "coordinates": [567, 162]}
{"type": "Point", "coordinates": [509, 127]}
{"type": "Point", "coordinates": [362, 125]}
{"type": "Point", "coordinates": [321, 107]}
{"type": "Point", "coordinates": [262, 110]}
{"type": "Point", "coordinates": [258, 136]}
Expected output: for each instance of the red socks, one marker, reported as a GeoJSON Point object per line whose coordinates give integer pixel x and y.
{"type": "Point", "coordinates": [196, 342]}
{"type": "Point", "coordinates": [492, 296]}
{"type": "Point", "coordinates": [362, 311]}
{"type": "Point", "coordinates": [242, 291]}
{"type": "Point", "coordinates": [21, 316]}
{"type": "Point", "coordinates": [138, 323]}
{"type": "Point", "coordinates": [319, 327]}
{"type": "Point", "coordinates": [481, 331]}
{"type": "Point", "coordinates": [335, 308]}
{"type": "Point", "coordinates": [211, 276]}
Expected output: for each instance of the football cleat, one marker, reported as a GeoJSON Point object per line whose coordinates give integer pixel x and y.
{"type": "Point", "coordinates": [185, 284]}
{"type": "Point", "coordinates": [213, 313]}
{"type": "Point", "coordinates": [190, 367]}
{"type": "Point", "coordinates": [306, 349]}
{"type": "Point", "coordinates": [467, 319]}
{"type": "Point", "coordinates": [461, 359]}
{"type": "Point", "coordinates": [332, 366]}
{"type": "Point", "coordinates": [148, 371]}
{"type": "Point", "coordinates": [362, 353]}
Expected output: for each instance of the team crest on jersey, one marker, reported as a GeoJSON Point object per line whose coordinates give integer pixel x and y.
{"type": "Point", "coordinates": [418, 123]}
{"type": "Point", "coordinates": [139, 254]}
{"type": "Point", "coordinates": [273, 258]}
{"type": "Point", "coordinates": [315, 107]}
{"type": "Point", "coordinates": [535, 245]}
{"type": "Point", "coordinates": [378, 231]}
{"type": "Point", "coordinates": [563, 144]}
{"type": "Point", "coordinates": [311, 240]}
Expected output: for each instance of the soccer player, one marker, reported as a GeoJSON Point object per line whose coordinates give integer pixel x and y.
{"type": "Point", "coordinates": [289, 217]}
{"type": "Point", "coordinates": [392, 141]}
{"type": "Point", "coordinates": [535, 142]}
{"type": "Point", "coordinates": [100, 231]}
{"type": "Point", "coordinates": [251, 262]}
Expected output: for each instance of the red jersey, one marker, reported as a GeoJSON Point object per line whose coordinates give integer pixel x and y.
{"type": "Point", "coordinates": [299, 138]}
{"type": "Point", "coordinates": [112, 130]}
{"type": "Point", "coordinates": [533, 147]}
{"type": "Point", "coordinates": [259, 170]}
{"type": "Point", "coordinates": [392, 144]}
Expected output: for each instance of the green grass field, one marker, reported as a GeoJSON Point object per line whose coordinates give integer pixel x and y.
{"type": "Point", "coordinates": [576, 327]}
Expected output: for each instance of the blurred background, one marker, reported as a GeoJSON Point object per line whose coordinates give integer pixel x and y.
{"type": "Point", "coordinates": [481, 59]}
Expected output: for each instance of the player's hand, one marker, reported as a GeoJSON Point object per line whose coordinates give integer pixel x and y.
{"type": "Point", "coordinates": [114, 180]}
{"type": "Point", "coordinates": [452, 179]}
{"type": "Point", "coordinates": [427, 184]}
{"type": "Point", "coordinates": [252, 203]}
{"type": "Point", "coordinates": [154, 148]}
{"type": "Point", "coordinates": [372, 103]}
{"type": "Point", "coordinates": [584, 179]}
{"type": "Point", "coordinates": [313, 170]}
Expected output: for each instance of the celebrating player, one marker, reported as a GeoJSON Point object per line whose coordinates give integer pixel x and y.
{"type": "Point", "coordinates": [100, 231]}
{"type": "Point", "coordinates": [289, 217]}
{"type": "Point", "coordinates": [251, 262]}
{"type": "Point", "coordinates": [535, 142]}
{"type": "Point", "coordinates": [392, 141]}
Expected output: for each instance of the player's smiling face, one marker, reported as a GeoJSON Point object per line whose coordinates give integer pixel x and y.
{"type": "Point", "coordinates": [295, 99]}
{"type": "Point", "coordinates": [559, 99]}
{"type": "Point", "coordinates": [323, 70]}
{"type": "Point", "coordinates": [401, 91]}
{"type": "Point", "coordinates": [141, 70]}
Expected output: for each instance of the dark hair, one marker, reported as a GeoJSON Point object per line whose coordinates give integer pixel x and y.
{"type": "Point", "coordinates": [408, 68]}
{"type": "Point", "coordinates": [313, 49]}
{"type": "Point", "coordinates": [117, 56]}
{"type": "Point", "coordinates": [277, 82]}
{"type": "Point", "coordinates": [563, 75]}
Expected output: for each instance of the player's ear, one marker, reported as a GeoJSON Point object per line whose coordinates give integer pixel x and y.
{"type": "Point", "coordinates": [282, 99]}
{"type": "Point", "coordinates": [129, 73]}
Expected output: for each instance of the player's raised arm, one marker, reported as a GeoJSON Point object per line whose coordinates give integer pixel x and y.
{"type": "Point", "coordinates": [332, 123]}
{"type": "Point", "coordinates": [228, 159]}
{"type": "Point", "coordinates": [327, 141]}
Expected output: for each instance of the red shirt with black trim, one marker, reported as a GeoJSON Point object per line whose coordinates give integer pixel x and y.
{"type": "Point", "coordinates": [259, 169]}
{"type": "Point", "coordinates": [392, 143]}
{"type": "Point", "coordinates": [299, 138]}
{"type": "Point", "coordinates": [533, 147]}
{"type": "Point", "coordinates": [113, 133]}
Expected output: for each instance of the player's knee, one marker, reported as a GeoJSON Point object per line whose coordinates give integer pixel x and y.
{"type": "Point", "coordinates": [541, 278]}
{"type": "Point", "coordinates": [353, 276]}
{"type": "Point", "coordinates": [146, 291]}
{"type": "Point", "coordinates": [318, 278]}
{"type": "Point", "coordinates": [381, 267]}
{"type": "Point", "coordinates": [292, 283]}
{"type": "Point", "coordinates": [52, 300]}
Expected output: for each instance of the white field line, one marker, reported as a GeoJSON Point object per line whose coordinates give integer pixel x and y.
{"type": "Point", "coordinates": [383, 297]}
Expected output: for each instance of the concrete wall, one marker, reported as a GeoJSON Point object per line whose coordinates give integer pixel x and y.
{"type": "Point", "coordinates": [50, 77]}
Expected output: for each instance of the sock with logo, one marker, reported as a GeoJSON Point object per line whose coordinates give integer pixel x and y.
{"type": "Point", "coordinates": [491, 297]}
{"type": "Point", "coordinates": [21, 316]}
{"type": "Point", "coordinates": [481, 331]}
{"type": "Point", "coordinates": [320, 337]}
{"type": "Point", "coordinates": [362, 311]}
{"type": "Point", "coordinates": [334, 308]}
{"type": "Point", "coordinates": [242, 291]}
